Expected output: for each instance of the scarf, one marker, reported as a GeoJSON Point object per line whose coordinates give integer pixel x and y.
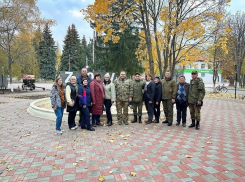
{"type": "Point", "coordinates": [147, 83]}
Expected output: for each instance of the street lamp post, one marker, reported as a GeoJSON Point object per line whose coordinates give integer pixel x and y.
{"type": "Point", "coordinates": [236, 80]}
{"type": "Point", "coordinates": [93, 27]}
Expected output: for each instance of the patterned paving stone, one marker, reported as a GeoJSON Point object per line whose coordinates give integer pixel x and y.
{"type": "Point", "coordinates": [156, 152]}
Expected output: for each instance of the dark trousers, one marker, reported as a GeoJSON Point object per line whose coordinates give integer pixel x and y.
{"type": "Point", "coordinates": [71, 119]}
{"type": "Point", "coordinates": [168, 109]}
{"type": "Point", "coordinates": [149, 108]}
{"type": "Point", "coordinates": [107, 103]}
{"type": "Point", "coordinates": [157, 111]}
{"type": "Point", "coordinates": [181, 111]}
{"type": "Point", "coordinates": [95, 119]}
{"type": "Point", "coordinates": [85, 118]}
{"type": "Point", "coordinates": [81, 115]}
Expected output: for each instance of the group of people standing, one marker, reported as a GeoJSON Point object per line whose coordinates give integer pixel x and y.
{"type": "Point", "coordinates": [85, 95]}
{"type": "Point", "coordinates": [90, 96]}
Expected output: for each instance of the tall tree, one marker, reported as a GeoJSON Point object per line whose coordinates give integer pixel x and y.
{"type": "Point", "coordinates": [47, 55]}
{"type": "Point", "coordinates": [16, 17]}
{"type": "Point", "coordinates": [72, 51]}
{"type": "Point", "coordinates": [237, 24]}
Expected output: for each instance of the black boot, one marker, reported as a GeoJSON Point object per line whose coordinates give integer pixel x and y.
{"type": "Point", "coordinates": [109, 122]}
{"type": "Point", "coordinates": [140, 121]}
{"type": "Point", "coordinates": [156, 120]}
{"type": "Point", "coordinates": [198, 125]}
{"type": "Point", "coordinates": [135, 119]}
{"type": "Point", "coordinates": [192, 124]}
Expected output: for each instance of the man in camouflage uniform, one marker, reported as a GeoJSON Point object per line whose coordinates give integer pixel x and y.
{"type": "Point", "coordinates": [169, 90]}
{"type": "Point", "coordinates": [124, 93]}
{"type": "Point", "coordinates": [137, 100]}
{"type": "Point", "coordinates": [195, 99]}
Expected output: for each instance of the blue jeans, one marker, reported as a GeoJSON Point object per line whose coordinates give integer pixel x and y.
{"type": "Point", "coordinates": [59, 114]}
{"type": "Point", "coordinates": [85, 118]}
{"type": "Point", "coordinates": [95, 118]}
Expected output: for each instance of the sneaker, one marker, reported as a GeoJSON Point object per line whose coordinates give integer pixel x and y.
{"type": "Point", "coordinates": [76, 127]}
{"type": "Point", "coordinates": [73, 128]}
{"type": "Point", "coordinates": [126, 122]}
{"type": "Point", "coordinates": [119, 122]}
{"type": "Point", "coordinates": [59, 131]}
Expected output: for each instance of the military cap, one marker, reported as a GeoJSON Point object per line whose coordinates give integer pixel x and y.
{"type": "Point", "coordinates": [194, 72]}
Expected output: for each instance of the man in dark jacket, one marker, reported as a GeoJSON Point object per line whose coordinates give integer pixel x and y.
{"type": "Point", "coordinates": [195, 99]}
{"type": "Point", "coordinates": [157, 99]}
{"type": "Point", "coordinates": [84, 74]}
{"type": "Point", "coordinates": [182, 100]}
{"type": "Point", "coordinates": [168, 97]}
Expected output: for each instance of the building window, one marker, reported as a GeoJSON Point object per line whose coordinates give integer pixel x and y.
{"type": "Point", "coordinates": [202, 74]}
{"type": "Point", "coordinates": [202, 66]}
{"type": "Point", "coordinates": [209, 66]}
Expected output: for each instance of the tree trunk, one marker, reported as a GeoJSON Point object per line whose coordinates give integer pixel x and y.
{"type": "Point", "coordinates": [9, 64]}
{"type": "Point", "coordinates": [145, 22]}
{"type": "Point", "coordinates": [158, 49]}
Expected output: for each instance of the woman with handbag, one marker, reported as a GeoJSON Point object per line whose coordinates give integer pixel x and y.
{"type": "Point", "coordinates": [110, 97]}
{"type": "Point", "coordinates": [97, 95]}
{"type": "Point", "coordinates": [57, 97]}
{"type": "Point", "coordinates": [72, 101]}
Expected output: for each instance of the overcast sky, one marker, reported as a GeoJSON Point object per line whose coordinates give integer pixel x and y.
{"type": "Point", "coordinates": [66, 12]}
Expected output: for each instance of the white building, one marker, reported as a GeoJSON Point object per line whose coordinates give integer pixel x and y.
{"type": "Point", "coordinates": [204, 71]}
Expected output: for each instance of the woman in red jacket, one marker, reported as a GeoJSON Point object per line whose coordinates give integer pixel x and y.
{"type": "Point", "coordinates": [97, 95]}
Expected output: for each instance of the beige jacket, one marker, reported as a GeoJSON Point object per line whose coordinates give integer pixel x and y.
{"type": "Point", "coordinates": [110, 92]}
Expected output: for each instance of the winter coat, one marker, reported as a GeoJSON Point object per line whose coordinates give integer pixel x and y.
{"type": "Point", "coordinates": [168, 88]}
{"type": "Point", "coordinates": [110, 92]}
{"type": "Point", "coordinates": [158, 92]}
{"type": "Point", "coordinates": [71, 94]}
{"type": "Point", "coordinates": [84, 95]}
{"type": "Point", "coordinates": [80, 78]}
{"type": "Point", "coordinates": [124, 89]}
{"type": "Point", "coordinates": [196, 91]}
{"type": "Point", "coordinates": [55, 97]}
{"type": "Point", "coordinates": [97, 95]}
{"type": "Point", "coordinates": [149, 92]}
{"type": "Point", "coordinates": [137, 86]}
{"type": "Point", "coordinates": [187, 86]}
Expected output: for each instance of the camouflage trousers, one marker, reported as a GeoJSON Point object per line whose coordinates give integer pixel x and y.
{"type": "Point", "coordinates": [168, 109]}
{"type": "Point", "coordinates": [122, 110]}
{"type": "Point", "coordinates": [137, 105]}
{"type": "Point", "coordinates": [195, 112]}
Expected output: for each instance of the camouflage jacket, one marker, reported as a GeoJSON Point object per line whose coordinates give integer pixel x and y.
{"type": "Point", "coordinates": [138, 86]}
{"type": "Point", "coordinates": [196, 91]}
{"type": "Point", "coordinates": [169, 88]}
{"type": "Point", "coordinates": [123, 88]}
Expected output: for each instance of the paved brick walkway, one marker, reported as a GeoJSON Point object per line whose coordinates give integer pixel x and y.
{"type": "Point", "coordinates": [156, 152]}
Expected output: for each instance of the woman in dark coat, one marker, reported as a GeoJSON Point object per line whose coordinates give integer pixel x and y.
{"type": "Point", "coordinates": [149, 92]}
{"type": "Point", "coordinates": [97, 95]}
{"type": "Point", "coordinates": [84, 96]}
{"type": "Point", "coordinates": [72, 101]}
{"type": "Point", "coordinates": [157, 99]}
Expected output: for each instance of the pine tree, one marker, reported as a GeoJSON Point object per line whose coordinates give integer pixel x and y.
{"type": "Point", "coordinates": [47, 55]}
{"type": "Point", "coordinates": [115, 57]}
{"type": "Point", "coordinates": [72, 47]}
